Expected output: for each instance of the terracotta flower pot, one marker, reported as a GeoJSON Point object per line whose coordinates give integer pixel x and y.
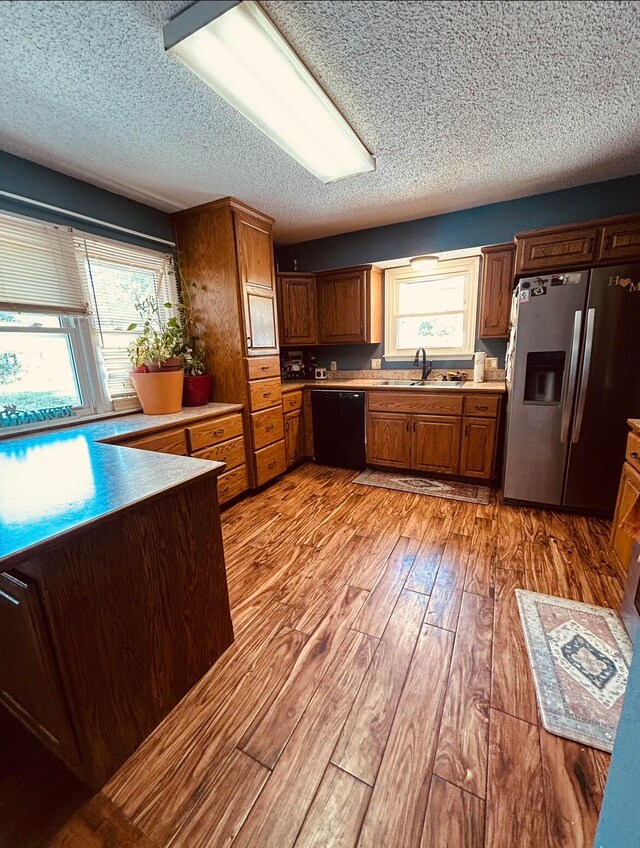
{"type": "Point", "coordinates": [160, 392]}
{"type": "Point", "coordinates": [174, 363]}
{"type": "Point", "coordinates": [197, 390]}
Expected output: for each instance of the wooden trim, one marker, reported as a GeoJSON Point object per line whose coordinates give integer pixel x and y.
{"type": "Point", "coordinates": [224, 203]}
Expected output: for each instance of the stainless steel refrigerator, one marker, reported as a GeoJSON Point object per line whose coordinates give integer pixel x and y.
{"type": "Point", "coordinates": [573, 380]}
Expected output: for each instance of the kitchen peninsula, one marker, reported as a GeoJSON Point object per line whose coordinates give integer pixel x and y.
{"type": "Point", "coordinates": [113, 591]}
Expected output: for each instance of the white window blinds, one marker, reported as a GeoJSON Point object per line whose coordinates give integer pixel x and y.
{"type": "Point", "coordinates": [118, 278]}
{"type": "Point", "coordinates": [38, 269]}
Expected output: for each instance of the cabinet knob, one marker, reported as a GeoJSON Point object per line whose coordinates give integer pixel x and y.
{"type": "Point", "coordinates": [272, 464]}
{"type": "Point", "coordinates": [268, 428]}
{"type": "Point", "coordinates": [218, 432]}
{"type": "Point", "coordinates": [266, 394]}
{"type": "Point", "coordinates": [634, 455]}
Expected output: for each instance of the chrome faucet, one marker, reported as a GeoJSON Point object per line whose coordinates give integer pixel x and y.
{"type": "Point", "coordinates": [426, 364]}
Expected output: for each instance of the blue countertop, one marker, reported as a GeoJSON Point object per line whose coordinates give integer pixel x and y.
{"type": "Point", "coordinates": [55, 482]}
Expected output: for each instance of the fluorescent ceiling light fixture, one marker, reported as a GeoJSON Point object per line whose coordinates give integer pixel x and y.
{"type": "Point", "coordinates": [243, 57]}
{"type": "Point", "coordinates": [424, 263]}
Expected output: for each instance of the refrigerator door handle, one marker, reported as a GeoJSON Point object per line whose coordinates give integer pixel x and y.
{"type": "Point", "coordinates": [571, 380]}
{"type": "Point", "coordinates": [584, 378]}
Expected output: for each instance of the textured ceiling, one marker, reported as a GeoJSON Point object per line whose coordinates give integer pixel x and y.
{"type": "Point", "coordinates": [462, 103]}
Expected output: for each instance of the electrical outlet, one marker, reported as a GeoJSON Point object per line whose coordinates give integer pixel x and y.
{"type": "Point", "coordinates": [334, 365]}
{"type": "Point", "coordinates": [376, 363]}
{"type": "Point", "coordinates": [491, 362]}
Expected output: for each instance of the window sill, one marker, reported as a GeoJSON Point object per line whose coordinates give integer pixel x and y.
{"type": "Point", "coordinates": [14, 432]}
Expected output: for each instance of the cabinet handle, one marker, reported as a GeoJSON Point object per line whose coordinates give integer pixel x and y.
{"type": "Point", "coordinates": [408, 425]}
{"type": "Point", "coordinates": [264, 367]}
{"type": "Point", "coordinates": [272, 464]}
{"type": "Point", "coordinates": [266, 394]}
{"type": "Point", "coordinates": [218, 432]}
{"type": "Point", "coordinates": [466, 429]}
{"type": "Point", "coordinates": [590, 245]}
{"type": "Point", "coordinates": [482, 407]}
{"type": "Point", "coordinates": [414, 426]}
{"type": "Point", "coordinates": [634, 455]}
{"type": "Point", "coordinates": [268, 428]}
{"type": "Point", "coordinates": [9, 598]}
{"type": "Point", "coordinates": [608, 242]}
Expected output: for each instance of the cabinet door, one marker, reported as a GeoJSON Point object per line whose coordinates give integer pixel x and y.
{"type": "Point", "coordinates": [255, 268]}
{"type": "Point", "coordinates": [29, 682]}
{"type": "Point", "coordinates": [435, 443]}
{"type": "Point", "coordinates": [293, 436]}
{"type": "Point", "coordinates": [628, 493]}
{"type": "Point", "coordinates": [495, 295]}
{"type": "Point", "coordinates": [342, 308]}
{"type": "Point", "coordinates": [389, 439]}
{"type": "Point", "coordinates": [297, 299]}
{"type": "Point", "coordinates": [477, 447]}
{"type": "Point", "coordinates": [556, 250]}
{"type": "Point", "coordinates": [620, 241]}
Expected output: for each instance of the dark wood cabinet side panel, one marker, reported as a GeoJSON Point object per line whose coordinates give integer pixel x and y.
{"type": "Point", "coordinates": [138, 610]}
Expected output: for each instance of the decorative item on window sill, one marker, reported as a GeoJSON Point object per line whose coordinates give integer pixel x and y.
{"type": "Point", "coordinates": [197, 383]}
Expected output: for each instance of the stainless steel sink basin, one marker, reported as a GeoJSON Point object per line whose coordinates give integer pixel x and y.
{"type": "Point", "coordinates": [424, 384]}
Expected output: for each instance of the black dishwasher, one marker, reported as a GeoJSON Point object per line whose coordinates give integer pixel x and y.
{"type": "Point", "coordinates": [338, 428]}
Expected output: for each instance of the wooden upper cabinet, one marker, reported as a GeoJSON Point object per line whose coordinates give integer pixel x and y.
{"type": "Point", "coordinates": [495, 290]}
{"type": "Point", "coordinates": [350, 305]}
{"type": "Point", "coordinates": [255, 266]}
{"type": "Point", "coordinates": [551, 250]}
{"type": "Point", "coordinates": [620, 241]}
{"type": "Point", "coordinates": [435, 443]}
{"type": "Point", "coordinates": [29, 684]}
{"type": "Point", "coordinates": [297, 309]}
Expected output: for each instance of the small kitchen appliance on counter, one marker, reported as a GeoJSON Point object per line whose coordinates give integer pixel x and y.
{"type": "Point", "coordinates": [320, 373]}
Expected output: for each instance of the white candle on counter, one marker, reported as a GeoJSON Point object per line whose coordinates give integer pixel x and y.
{"type": "Point", "coordinates": [479, 360]}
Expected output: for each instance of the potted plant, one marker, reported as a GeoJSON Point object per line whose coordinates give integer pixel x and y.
{"type": "Point", "coordinates": [157, 374]}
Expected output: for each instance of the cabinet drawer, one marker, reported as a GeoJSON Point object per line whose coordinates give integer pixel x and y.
{"type": "Point", "coordinates": [291, 401]}
{"type": "Point", "coordinates": [260, 367]}
{"type": "Point", "coordinates": [169, 441]}
{"type": "Point", "coordinates": [270, 462]}
{"type": "Point", "coordinates": [633, 451]}
{"type": "Point", "coordinates": [482, 405]}
{"type": "Point", "coordinates": [214, 431]}
{"type": "Point", "coordinates": [426, 402]}
{"type": "Point", "coordinates": [231, 452]}
{"type": "Point", "coordinates": [267, 427]}
{"type": "Point", "coordinates": [232, 483]}
{"type": "Point", "coordinates": [265, 393]}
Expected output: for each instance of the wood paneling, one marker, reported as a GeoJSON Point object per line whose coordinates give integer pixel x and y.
{"type": "Point", "coordinates": [435, 443]}
{"type": "Point", "coordinates": [362, 742]}
{"type": "Point", "coordinates": [463, 742]}
{"type": "Point", "coordinates": [232, 483]}
{"type": "Point", "coordinates": [260, 367]}
{"type": "Point", "coordinates": [515, 800]}
{"type": "Point", "coordinates": [336, 814]}
{"type": "Point", "coordinates": [294, 437]}
{"type": "Point", "coordinates": [389, 439]}
{"type": "Point", "coordinates": [231, 452]}
{"type": "Point", "coordinates": [477, 449]}
{"type": "Point", "coordinates": [267, 427]}
{"type": "Point", "coordinates": [455, 819]}
{"type": "Point", "coordinates": [495, 290]}
{"type": "Point", "coordinates": [168, 441]}
{"type": "Point", "coordinates": [265, 393]}
{"type": "Point", "coordinates": [270, 462]}
{"type": "Point", "coordinates": [433, 403]}
{"type": "Point", "coordinates": [213, 431]}
{"type": "Point", "coordinates": [555, 249]}
{"type": "Point", "coordinates": [297, 304]}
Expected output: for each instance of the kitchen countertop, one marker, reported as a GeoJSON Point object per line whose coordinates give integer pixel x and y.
{"type": "Point", "coordinates": [59, 481]}
{"type": "Point", "coordinates": [497, 386]}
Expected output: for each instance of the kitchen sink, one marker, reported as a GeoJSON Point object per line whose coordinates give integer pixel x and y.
{"type": "Point", "coordinates": [423, 384]}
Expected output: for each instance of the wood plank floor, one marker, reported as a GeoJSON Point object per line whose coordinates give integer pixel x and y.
{"type": "Point", "coordinates": [378, 692]}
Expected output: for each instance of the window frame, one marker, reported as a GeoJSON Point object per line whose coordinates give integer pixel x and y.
{"type": "Point", "coordinates": [468, 266]}
{"type": "Point", "coordinates": [77, 331]}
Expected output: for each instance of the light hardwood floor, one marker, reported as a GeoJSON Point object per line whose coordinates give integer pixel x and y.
{"type": "Point", "coordinates": [378, 693]}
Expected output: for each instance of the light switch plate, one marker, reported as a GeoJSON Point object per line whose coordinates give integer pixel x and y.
{"type": "Point", "coordinates": [334, 365]}
{"type": "Point", "coordinates": [376, 363]}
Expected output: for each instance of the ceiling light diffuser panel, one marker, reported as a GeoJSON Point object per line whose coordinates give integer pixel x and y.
{"type": "Point", "coordinates": [245, 59]}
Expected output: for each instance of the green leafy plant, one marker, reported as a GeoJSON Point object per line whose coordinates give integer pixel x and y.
{"type": "Point", "coordinates": [157, 341]}
{"type": "Point", "coordinates": [193, 353]}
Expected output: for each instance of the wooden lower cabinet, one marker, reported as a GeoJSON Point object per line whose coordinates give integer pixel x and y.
{"type": "Point", "coordinates": [388, 440]}
{"type": "Point", "coordinates": [294, 437]}
{"type": "Point", "coordinates": [232, 483]}
{"type": "Point", "coordinates": [628, 494]}
{"type": "Point", "coordinates": [270, 462]}
{"type": "Point", "coordinates": [435, 443]}
{"type": "Point", "coordinates": [477, 447]}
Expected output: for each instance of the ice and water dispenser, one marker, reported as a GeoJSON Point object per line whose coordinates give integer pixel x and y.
{"type": "Point", "coordinates": [545, 373]}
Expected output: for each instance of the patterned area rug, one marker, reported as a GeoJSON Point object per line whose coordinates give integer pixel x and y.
{"type": "Point", "coordinates": [580, 656]}
{"type": "Point", "coordinates": [469, 492]}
